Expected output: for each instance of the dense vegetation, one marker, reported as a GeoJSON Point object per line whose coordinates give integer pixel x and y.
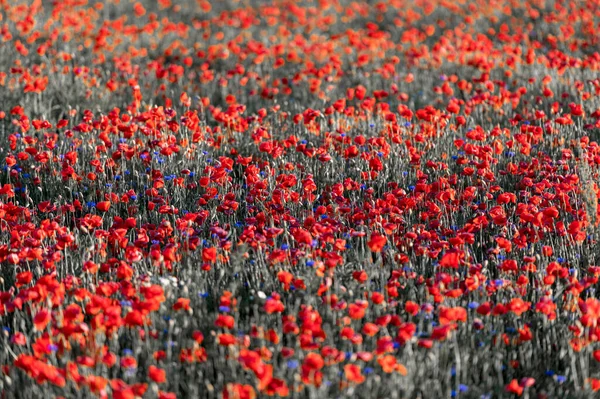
{"type": "Point", "coordinates": [333, 198]}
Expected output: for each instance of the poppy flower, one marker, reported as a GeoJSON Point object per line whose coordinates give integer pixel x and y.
{"type": "Point", "coordinates": [209, 254]}
{"type": "Point", "coordinates": [182, 304]}
{"type": "Point", "coordinates": [354, 374]}
{"type": "Point", "coordinates": [450, 260]}
{"type": "Point", "coordinates": [377, 242]}
{"type": "Point", "coordinates": [41, 319]}
{"type": "Point", "coordinates": [238, 391]}
{"type": "Point", "coordinates": [514, 387]}
{"type": "Point", "coordinates": [157, 375]}
{"type": "Point", "coordinates": [103, 206]}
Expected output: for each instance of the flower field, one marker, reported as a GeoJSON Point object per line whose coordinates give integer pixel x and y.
{"type": "Point", "coordinates": [305, 199]}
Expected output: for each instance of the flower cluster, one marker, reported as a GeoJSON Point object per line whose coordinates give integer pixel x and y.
{"type": "Point", "coordinates": [324, 198]}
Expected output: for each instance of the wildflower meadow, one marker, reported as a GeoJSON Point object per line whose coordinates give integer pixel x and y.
{"type": "Point", "coordinates": [244, 199]}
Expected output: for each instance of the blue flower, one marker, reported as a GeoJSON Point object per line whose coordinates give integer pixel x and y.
{"type": "Point", "coordinates": [224, 309]}
{"type": "Point", "coordinates": [285, 246]}
{"type": "Point", "coordinates": [292, 364]}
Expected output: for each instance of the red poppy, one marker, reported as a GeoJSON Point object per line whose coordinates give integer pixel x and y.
{"type": "Point", "coordinates": [103, 206]}
{"type": "Point", "coordinates": [157, 375]}
{"type": "Point", "coordinates": [354, 374]}
{"type": "Point", "coordinates": [209, 254]}
{"type": "Point", "coordinates": [377, 242]}
{"type": "Point", "coordinates": [41, 319]}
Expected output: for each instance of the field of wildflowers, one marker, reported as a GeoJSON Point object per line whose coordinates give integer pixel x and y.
{"type": "Point", "coordinates": [304, 199]}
